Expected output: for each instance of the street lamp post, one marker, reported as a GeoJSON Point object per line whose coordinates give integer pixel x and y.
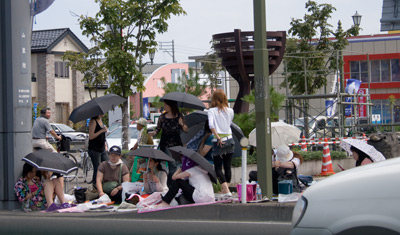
{"type": "Point", "coordinates": [357, 19]}
{"type": "Point", "coordinates": [151, 55]}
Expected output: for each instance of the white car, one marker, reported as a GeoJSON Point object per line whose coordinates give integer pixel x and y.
{"type": "Point", "coordinates": [115, 137]}
{"type": "Point", "coordinates": [68, 132]}
{"type": "Point", "coordinates": [362, 200]}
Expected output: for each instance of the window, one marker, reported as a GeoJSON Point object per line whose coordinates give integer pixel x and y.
{"type": "Point", "coordinates": [381, 70]}
{"type": "Point", "coordinates": [382, 108]}
{"type": "Point", "coordinates": [395, 63]}
{"type": "Point", "coordinates": [61, 69]}
{"type": "Point", "coordinates": [33, 78]}
{"type": "Point", "coordinates": [359, 70]}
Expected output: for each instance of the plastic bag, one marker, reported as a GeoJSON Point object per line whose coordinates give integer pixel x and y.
{"type": "Point", "coordinates": [131, 188]}
{"type": "Point", "coordinates": [250, 192]}
{"type": "Point", "coordinates": [293, 197]}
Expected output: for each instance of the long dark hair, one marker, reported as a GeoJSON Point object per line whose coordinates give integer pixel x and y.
{"type": "Point", "coordinates": [159, 166]}
{"type": "Point", "coordinates": [361, 155]}
{"type": "Point", "coordinates": [174, 107]}
{"type": "Point", "coordinates": [26, 169]}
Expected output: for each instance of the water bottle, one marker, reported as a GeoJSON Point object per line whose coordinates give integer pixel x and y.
{"type": "Point", "coordinates": [258, 192]}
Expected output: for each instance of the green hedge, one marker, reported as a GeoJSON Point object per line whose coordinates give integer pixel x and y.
{"type": "Point", "coordinates": [307, 156]}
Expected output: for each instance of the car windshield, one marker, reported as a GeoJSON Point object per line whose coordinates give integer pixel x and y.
{"type": "Point", "coordinates": [300, 122]}
{"type": "Point", "coordinates": [64, 128]}
{"type": "Point", "coordinates": [332, 122]}
{"type": "Point", "coordinates": [117, 133]}
{"type": "Point", "coordinates": [114, 125]}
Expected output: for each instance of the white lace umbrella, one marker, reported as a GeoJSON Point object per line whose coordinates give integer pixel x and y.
{"type": "Point", "coordinates": [362, 145]}
{"type": "Point", "coordinates": [281, 133]}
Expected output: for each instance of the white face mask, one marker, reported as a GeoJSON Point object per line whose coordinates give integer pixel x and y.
{"type": "Point", "coordinates": [115, 164]}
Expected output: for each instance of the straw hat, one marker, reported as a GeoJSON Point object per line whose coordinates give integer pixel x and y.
{"type": "Point", "coordinates": [284, 154]}
{"type": "Point", "coordinates": [142, 121]}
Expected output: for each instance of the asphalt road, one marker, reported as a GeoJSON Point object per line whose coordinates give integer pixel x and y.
{"type": "Point", "coordinates": [14, 224]}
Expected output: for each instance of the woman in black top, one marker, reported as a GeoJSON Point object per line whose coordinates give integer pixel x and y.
{"type": "Point", "coordinates": [171, 123]}
{"type": "Point", "coordinates": [97, 143]}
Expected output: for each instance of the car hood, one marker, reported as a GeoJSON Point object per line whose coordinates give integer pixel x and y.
{"type": "Point", "coordinates": [361, 196]}
{"type": "Point", "coordinates": [374, 175]}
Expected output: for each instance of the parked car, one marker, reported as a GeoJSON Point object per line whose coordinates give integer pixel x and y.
{"type": "Point", "coordinates": [361, 200]}
{"type": "Point", "coordinates": [68, 132]}
{"type": "Point", "coordinates": [315, 124]}
{"type": "Point", "coordinates": [115, 137]}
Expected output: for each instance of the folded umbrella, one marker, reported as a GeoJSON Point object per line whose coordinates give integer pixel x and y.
{"type": "Point", "coordinates": [362, 145]}
{"type": "Point", "coordinates": [151, 153]}
{"type": "Point", "coordinates": [45, 160]}
{"type": "Point", "coordinates": [96, 107]}
{"type": "Point", "coordinates": [195, 156]}
{"type": "Point", "coordinates": [184, 100]}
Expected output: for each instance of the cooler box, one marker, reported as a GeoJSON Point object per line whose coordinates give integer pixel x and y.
{"type": "Point", "coordinates": [285, 187]}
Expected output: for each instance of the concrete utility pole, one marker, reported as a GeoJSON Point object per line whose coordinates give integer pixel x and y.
{"type": "Point", "coordinates": [262, 100]}
{"type": "Point", "coordinates": [15, 95]}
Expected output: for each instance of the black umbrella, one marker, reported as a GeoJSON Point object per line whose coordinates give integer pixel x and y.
{"type": "Point", "coordinates": [196, 157]}
{"type": "Point", "coordinates": [195, 122]}
{"type": "Point", "coordinates": [95, 107]}
{"type": "Point", "coordinates": [49, 161]}
{"type": "Point", "coordinates": [184, 100]}
{"type": "Point", "coordinates": [151, 153]}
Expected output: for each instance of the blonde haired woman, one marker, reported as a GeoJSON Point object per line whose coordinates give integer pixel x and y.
{"type": "Point", "coordinates": [220, 118]}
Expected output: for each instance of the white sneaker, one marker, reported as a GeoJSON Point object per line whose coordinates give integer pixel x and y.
{"type": "Point", "coordinates": [227, 194]}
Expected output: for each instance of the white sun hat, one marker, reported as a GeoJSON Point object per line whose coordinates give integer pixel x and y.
{"type": "Point", "coordinates": [283, 153]}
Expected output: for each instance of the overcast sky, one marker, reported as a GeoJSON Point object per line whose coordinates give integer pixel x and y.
{"type": "Point", "coordinates": [193, 32]}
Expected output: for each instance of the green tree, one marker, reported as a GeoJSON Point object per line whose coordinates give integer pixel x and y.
{"type": "Point", "coordinates": [311, 54]}
{"type": "Point", "coordinates": [125, 30]}
{"type": "Point", "coordinates": [212, 67]}
{"type": "Point", "coordinates": [190, 84]}
{"type": "Point", "coordinates": [247, 121]}
{"type": "Point", "coordinates": [90, 65]}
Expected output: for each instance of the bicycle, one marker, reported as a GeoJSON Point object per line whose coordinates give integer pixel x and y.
{"type": "Point", "coordinates": [87, 166]}
{"type": "Point", "coordinates": [63, 148]}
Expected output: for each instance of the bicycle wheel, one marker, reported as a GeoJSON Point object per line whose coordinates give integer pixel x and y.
{"type": "Point", "coordinates": [73, 174]}
{"type": "Point", "coordinates": [87, 169]}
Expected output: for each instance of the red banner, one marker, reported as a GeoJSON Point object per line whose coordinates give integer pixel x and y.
{"type": "Point", "coordinates": [362, 109]}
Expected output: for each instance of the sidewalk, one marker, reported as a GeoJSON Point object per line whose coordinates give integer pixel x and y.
{"type": "Point", "coordinates": [235, 211]}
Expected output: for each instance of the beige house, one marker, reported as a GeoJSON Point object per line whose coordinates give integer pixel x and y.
{"type": "Point", "coordinates": [54, 83]}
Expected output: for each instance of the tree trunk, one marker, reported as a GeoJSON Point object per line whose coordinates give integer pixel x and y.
{"type": "Point", "coordinates": [125, 125]}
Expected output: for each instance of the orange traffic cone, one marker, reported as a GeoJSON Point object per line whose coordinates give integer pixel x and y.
{"type": "Point", "coordinates": [327, 168]}
{"type": "Point", "coordinates": [364, 137]}
{"type": "Point", "coordinates": [304, 144]}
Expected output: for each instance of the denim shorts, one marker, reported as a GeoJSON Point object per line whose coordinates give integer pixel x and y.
{"type": "Point", "coordinates": [227, 147]}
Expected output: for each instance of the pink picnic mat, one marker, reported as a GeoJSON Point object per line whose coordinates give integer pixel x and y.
{"type": "Point", "coordinates": [153, 209]}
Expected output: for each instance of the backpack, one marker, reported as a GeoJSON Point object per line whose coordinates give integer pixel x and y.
{"type": "Point", "coordinates": [285, 174]}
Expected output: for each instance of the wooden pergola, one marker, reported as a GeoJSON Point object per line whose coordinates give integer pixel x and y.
{"type": "Point", "coordinates": [236, 51]}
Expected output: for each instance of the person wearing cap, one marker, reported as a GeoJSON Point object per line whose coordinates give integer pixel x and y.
{"type": "Point", "coordinates": [143, 137]}
{"type": "Point", "coordinates": [112, 172]}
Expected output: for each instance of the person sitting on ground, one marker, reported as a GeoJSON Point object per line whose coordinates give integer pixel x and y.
{"type": "Point", "coordinates": [53, 184]}
{"type": "Point", "coordinates": [111, 174]}
{"type": "Point", "coordinates": [360, 157]}
{"type": "Point", "coordinates": [155, 179]}
{"type": "Point", "coordinates": [29, 189]}
{"type": "Point", "coordinates": [197, 189]}
{"type": "Point", "coordinates": [285, 164]}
